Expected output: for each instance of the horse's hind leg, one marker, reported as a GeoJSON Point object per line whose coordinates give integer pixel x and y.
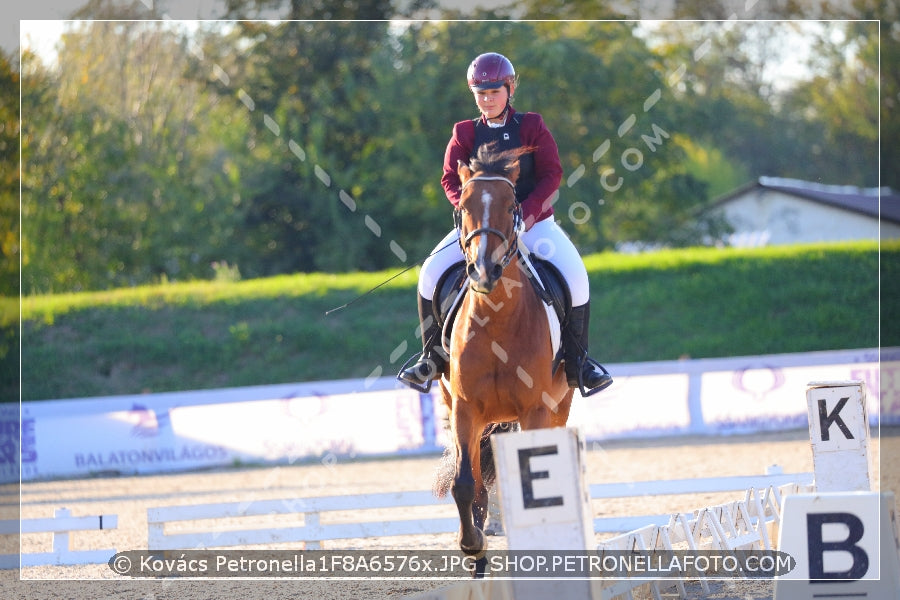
{"type": "Point", "coordinates": [480, 507]}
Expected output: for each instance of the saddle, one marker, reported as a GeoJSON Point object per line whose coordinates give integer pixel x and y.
{"type": "Point", "coordinates": [546, 279]}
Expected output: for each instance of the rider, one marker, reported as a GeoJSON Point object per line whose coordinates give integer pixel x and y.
{"type": "Point", "coordinates": [493, 80]}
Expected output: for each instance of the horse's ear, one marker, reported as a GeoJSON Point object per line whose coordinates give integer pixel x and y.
{"type": "Point", "coordinates": [464, 172]}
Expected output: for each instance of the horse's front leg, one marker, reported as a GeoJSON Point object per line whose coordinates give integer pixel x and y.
{"type": "Point", "coordinates": [466, 495]}
{"type": "Point", "coordinates": [468, 490]}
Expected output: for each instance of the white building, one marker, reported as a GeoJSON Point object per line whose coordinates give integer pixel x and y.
{"type": "Point", "coordinates": [788, 211]}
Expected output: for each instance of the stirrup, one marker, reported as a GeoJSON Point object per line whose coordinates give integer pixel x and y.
{"type": "Point", "coordinates": [607, 380]}
{"type": "Point", "coordinates": [419, 387]}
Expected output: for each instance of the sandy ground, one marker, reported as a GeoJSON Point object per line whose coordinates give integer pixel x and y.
{"type": "Point", "coordinates": [130, 497]}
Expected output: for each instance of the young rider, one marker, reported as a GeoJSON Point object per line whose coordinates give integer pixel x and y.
{"type": "Point", "coordinates": [492, 80]}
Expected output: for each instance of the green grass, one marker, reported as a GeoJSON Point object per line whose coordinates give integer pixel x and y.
{"type": "Point", "coordinates": [657, 306]}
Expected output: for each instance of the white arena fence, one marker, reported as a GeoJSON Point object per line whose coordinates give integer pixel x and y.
{"type": "Point", "coordinates": [167, 529]}
{"type": "Point", "coordinates": [748, 524]}
{"type": "Point", "coordinates": [310, 533]}
{"type": "Point", "coordinates": [214, 533]}
{"type": "Point", "coordinates": [60, 525]}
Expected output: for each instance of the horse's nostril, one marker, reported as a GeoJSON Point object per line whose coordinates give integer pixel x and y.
{"type": "Point", "coordinates": [496, 272]}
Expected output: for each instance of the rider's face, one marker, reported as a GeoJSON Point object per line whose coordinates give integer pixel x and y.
{"type": "Point", "coordinates": [491, 102]}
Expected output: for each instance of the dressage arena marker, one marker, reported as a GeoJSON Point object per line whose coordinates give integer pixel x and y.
{"type": "Point", "coordinates": [844, 537]}
{"type": "Point", "coordinates": [846, 546]}
{"type": "Point", "coordinates": [544, 502]}
{"type": "Point", "coordinates": [839, 433]}
{"type": "Point", "coordinates": [59, 525]}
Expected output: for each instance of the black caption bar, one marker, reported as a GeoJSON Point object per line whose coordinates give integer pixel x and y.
{"type": "Point", "coordinates": [404, 564]}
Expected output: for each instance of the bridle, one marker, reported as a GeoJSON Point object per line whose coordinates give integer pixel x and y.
{"type": "Point", "coordinates": [510, 241]}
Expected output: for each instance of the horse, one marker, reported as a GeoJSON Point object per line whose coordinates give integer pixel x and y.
{"type": "Point", "coordinates": [501, 367]}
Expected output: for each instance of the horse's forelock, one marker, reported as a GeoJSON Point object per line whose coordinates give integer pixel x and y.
{"type": "Point", "coordinates": [489, 160]}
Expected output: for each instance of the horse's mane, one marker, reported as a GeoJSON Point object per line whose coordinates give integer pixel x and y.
{"type": "Point", "coordinates": [490, 160]}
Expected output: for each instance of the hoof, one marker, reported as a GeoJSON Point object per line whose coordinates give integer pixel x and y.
{"type": "Point", "coordinates": [476, 547]}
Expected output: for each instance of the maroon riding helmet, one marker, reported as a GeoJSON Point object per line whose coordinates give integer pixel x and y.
{"type": "Point", "coordinates": [491, 70]}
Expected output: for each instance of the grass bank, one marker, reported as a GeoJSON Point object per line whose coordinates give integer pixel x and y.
{"type": "Point", "coordinates": [657, 306]}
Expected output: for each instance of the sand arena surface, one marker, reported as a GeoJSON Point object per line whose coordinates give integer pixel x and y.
{"type": "Point", "coordinates": [130, 497]}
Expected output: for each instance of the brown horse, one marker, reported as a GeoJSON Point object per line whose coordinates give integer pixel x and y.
{"type": "Point", "coordinates": [500, 367]}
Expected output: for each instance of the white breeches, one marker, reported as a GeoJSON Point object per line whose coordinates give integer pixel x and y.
{"type": "Point", "coordinates": [544, 240]}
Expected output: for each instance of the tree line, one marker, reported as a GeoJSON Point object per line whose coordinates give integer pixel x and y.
{"type": "Point", "coordinates": [163, 150]}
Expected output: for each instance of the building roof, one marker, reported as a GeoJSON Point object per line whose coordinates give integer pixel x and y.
{"type": "Point", "coordinates": [859, 200]}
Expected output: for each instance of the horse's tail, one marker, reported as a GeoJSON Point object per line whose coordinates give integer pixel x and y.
{"type": "Point", "coordinates": [446, 469]}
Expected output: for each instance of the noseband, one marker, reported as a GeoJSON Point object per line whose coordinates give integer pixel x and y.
{"type": "Point", "coordinates": [517, 220]}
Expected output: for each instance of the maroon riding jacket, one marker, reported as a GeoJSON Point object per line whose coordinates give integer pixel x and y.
{"type": "Point", "coordinates": [547, 167]}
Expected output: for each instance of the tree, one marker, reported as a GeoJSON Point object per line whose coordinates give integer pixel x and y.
{"type": "Point", "coordinates": [9, 227]}
{"type": "Point", "coordinates": [117, 186]}
{"type": "Point", "coordinates": [834, 114]}
{"type": "Point", "coordinates": [881, 57]}
{"type": "Point", "coordinates": [734, 102]}
{"type": "Point", "coordinates": [309, 85]}
{"type": "Point", "coordinates": [155, 150]}
{"type": "Point", "coordinates": [9, 178]}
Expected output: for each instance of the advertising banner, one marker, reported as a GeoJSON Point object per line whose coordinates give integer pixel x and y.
{"type": "Point", "coordinates": [150, 439]}
{"type": "Point", "coordinates": [773, 398]}
{"type": "Point", "coordinates": [286, 423]}
{"type": "Point", "coordinates": [11, 431]}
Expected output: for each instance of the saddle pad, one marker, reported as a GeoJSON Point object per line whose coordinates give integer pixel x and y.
{"type": "Point", "coordinates": [553, 318]}
{"type": "Point", "coordinates": [452, 287]}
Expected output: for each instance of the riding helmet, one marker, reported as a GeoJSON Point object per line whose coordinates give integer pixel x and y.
{"type": "Point", "coordinates": [491, 70]}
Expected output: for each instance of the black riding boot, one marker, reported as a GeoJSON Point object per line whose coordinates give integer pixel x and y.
{"type": "Point", "coordinates": [432, 360]}
{"type": "Point", "coordinates": [582, 372]}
